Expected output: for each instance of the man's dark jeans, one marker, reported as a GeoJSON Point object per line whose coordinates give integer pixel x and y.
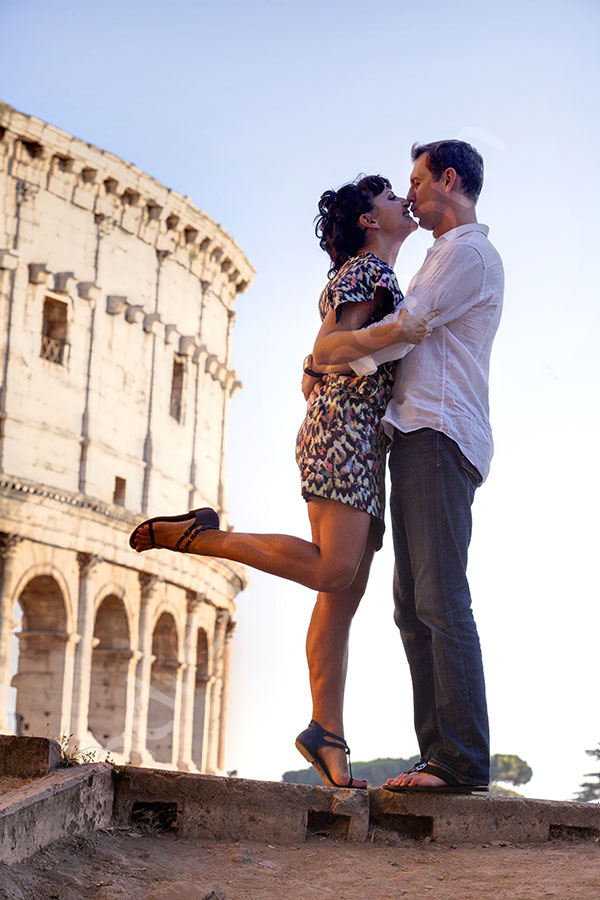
{"type": "Point", "coordinates": [433, 486]}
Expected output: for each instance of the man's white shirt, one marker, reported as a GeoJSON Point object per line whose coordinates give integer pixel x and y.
{"type": "Point", "coordinates": [443, 383]}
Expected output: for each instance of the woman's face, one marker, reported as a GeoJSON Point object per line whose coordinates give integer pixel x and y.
{"type": "Point", "coordinates": [392, 215]}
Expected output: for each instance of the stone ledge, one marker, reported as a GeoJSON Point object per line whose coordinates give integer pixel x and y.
{"type": "Point", "coordinates": [460, 818]}
{"type": "Point", "coordinates": [67, 802]}
{"type": "Point", "coordinates": [232, 809]}
{"type": "Point", "coordinates": [206, 807]}
{"type": "Point", "coordinates": [17, 485]}
{"type": "Point", "coordinates": [28, 757]}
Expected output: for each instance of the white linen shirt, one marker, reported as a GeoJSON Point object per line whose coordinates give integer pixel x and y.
{"type": "Point", "coordinates": [443, 382]}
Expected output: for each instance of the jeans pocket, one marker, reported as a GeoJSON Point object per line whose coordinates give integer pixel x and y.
{"type": "Point", "coordinates": [473, 473]}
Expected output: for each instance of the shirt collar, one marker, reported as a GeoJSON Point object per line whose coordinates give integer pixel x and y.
{"type": "Point", "coordinates": [463, 229]}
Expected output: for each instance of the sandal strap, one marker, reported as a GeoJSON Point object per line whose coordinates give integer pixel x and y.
{"type": "Point", "coordinates": [183, 537]}
{"type": "Point", "coordinates": [151, 533]}
{"type": "Point", "coordinates": [196, 531]}
{"type": "Point", "coordinates": [337, 742]}
{"type": "Point", "coordinates": [432, 769]}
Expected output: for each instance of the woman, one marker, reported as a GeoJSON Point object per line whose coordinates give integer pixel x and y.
{"type": "Point", "coordinates": [340, 452]}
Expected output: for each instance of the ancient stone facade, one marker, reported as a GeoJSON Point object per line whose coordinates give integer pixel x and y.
{"type": "Point", "coordinates": [116, 312]}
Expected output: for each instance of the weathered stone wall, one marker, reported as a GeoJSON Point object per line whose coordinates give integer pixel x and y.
{"type": "Point", "coordinates": [116, 308]}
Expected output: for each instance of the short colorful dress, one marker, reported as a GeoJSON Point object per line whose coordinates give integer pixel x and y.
{"type": "Point", "coordinates": [341, 445]}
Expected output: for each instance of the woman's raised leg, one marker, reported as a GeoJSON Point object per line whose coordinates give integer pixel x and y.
{"type": "Point", "coordinates": [329, 563]}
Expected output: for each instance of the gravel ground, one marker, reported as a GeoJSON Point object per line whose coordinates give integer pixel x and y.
{"type": "Point", "coordinates": [123, 863]}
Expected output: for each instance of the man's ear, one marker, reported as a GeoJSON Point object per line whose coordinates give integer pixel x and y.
{"type": "Point", "coordinates": [366, 220]}
{"type": "Point", "coordinates": [449, 180]}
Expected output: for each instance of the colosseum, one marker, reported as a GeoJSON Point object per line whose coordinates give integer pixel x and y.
{"type": "Point", "coordinates": [117, 302]}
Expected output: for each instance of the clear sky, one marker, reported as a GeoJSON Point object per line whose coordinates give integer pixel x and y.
{"type": "Point", "coordinates": [253, 109]}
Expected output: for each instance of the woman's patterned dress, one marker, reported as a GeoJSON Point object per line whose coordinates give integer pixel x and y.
{"type": "Point", "coordinates": [341, 446]}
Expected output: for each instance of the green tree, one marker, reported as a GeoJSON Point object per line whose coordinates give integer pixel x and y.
{"type": "Point", "coordinates": [590, 790]}
{"type": "Point", "coordinates": [509, 769]}
{"type": "Point", "coordinates": [512, 769]}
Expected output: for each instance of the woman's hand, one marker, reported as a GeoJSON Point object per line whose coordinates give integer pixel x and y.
{"type": "Point", "coordinates": [310, 387]}
{"type": "Point", "coordinates": [413, 329]}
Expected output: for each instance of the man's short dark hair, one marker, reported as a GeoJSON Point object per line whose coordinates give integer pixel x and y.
{"type": "Point", "coordinates": [458, 155]}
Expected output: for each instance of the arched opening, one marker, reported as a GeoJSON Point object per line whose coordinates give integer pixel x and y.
{"type": "Point", "coordinates": [110, 667]}
{"type": "Point", "coordinates": [163, 689]}
{"type": "Point", "coordinates": [40, 675]}
{"type": "Point", "coordinates": [199, 733]}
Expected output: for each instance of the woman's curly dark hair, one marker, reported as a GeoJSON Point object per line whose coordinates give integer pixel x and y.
{"type": "Point", "coordinates": [337, 226]}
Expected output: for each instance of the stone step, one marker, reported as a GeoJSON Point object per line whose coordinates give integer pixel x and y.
{"type": "Point", "coordinates": [66, 802]}
{"type": "Point", "coordinates": [28, 757]}
{"type": "Point", "coordinates": [480, 818]}
{"type": "Point", "coordinates": [237, 809]}
{"type": "Point", "coordinates": [210, 808]}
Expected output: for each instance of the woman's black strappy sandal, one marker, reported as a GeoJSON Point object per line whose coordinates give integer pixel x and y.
{"type": "Point", "coordinates": [205, 519]}
{"type": "Point", "coordinates": [310, 741]}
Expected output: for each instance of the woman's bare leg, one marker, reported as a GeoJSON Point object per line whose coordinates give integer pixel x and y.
{"type": "Point", "coordinates": [327, 654]}
{"type": "Point", "coordinates": [329, 563]}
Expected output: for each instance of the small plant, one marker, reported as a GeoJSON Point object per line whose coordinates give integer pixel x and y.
{"type": "Point", "coordinates": [81, 843]}
{"type": "Point", "coordinates": [73, 756]}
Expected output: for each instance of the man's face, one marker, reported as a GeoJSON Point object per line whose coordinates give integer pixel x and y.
{"type": "Point", "coordinates": [427, 197]}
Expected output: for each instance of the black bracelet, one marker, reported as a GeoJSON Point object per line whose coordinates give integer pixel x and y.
{"type": "Point", "coordinates": [308, 370]}
{"type": "Point", "coordinates": [313, 374]}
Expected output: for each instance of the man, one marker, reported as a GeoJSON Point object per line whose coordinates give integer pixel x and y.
{"type": "Point", "coordinates": [441, 452]}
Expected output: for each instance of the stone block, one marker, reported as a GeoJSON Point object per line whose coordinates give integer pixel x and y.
{"type": "Point", "coordinates": [87, 290]}
{"type": "Point", "coordinates": [28, 757]}
{"type": "Point", "coordinates": [8, 259]}
{"type": "Point", "coordinates": [67, 802]}
{"type": "Point", "coordinates": [460, 818]}
{"type": "Point", "coordinates": [232, 809]}
{"type": "Point", "coordinates": [171, 333]}
{"type": "Point", "coordinates": [135, 313]}
{"type": "Point", "coordinates": [212, 364]}
{"type": "Point", "coordinates": [63, 282]}
{"type": "Point", "coordinates": [38, 273]}
{"type": "Point", "coordinates": [115, 304]}
{"type": "Point", "coordinates": [188, 345]}
{"type": "Point", "coordinates": [152, 323]}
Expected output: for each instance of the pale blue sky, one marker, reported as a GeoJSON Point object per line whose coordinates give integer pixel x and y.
{"type": "Point", "coordinates": [253, 109]}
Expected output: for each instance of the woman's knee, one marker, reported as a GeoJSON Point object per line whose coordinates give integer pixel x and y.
{"type": "Point", "coordinates": [337, 578]}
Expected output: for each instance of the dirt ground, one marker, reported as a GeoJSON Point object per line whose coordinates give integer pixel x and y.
{"type": "Point", "coordinates": [128, 865]}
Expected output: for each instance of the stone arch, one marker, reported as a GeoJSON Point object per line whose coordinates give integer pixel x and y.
{"type": "Point", "coordinates": [177, 639]}
{"type": "Point", "coordinates": [43, 698]}
{"type": "Point", "coordinates": [111, 662]}
{"type": "Point", "coordinates": [47, 570]}
{"type": "Point", "coordinates": [110, 588]}
{"type": "Point", "coordinates": [164, 679]}
{"type": "Point", "coordinates": [201, 700]}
